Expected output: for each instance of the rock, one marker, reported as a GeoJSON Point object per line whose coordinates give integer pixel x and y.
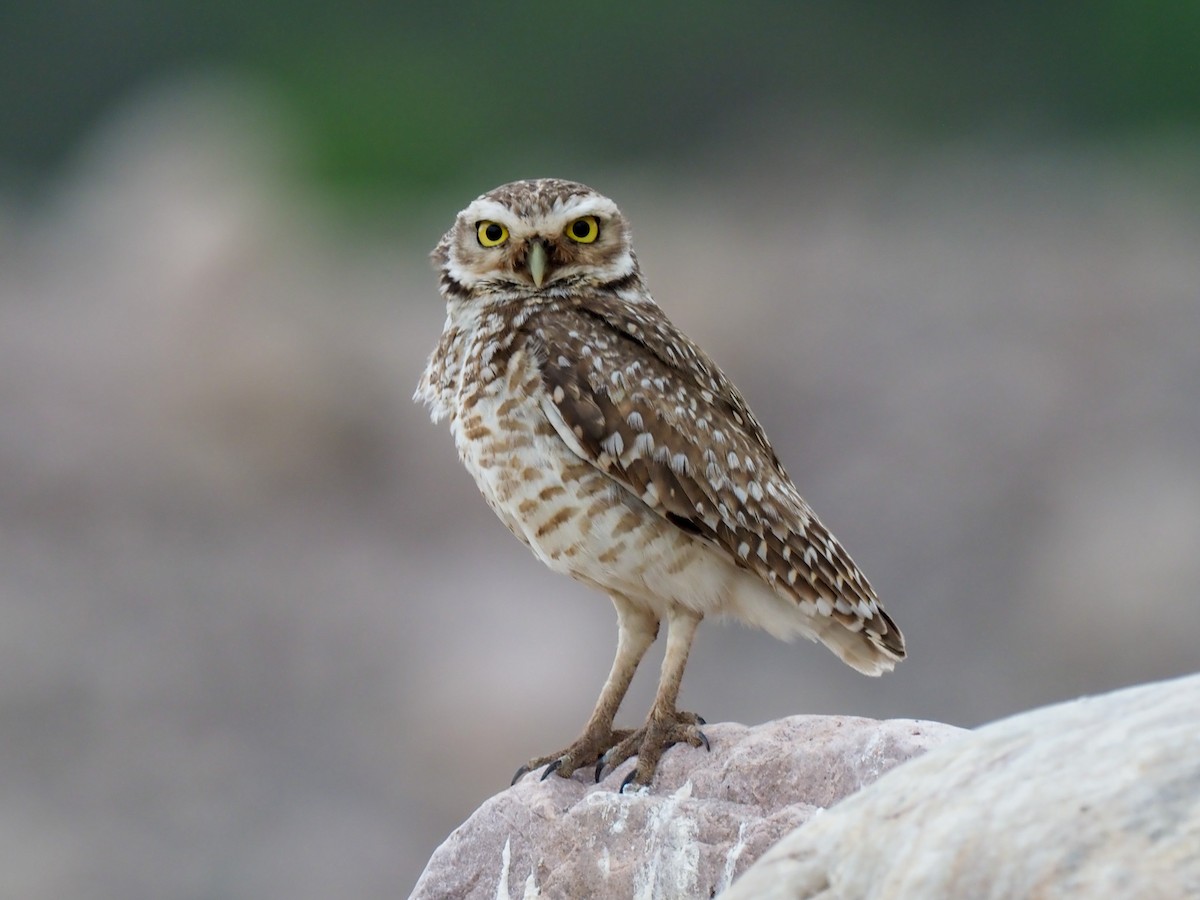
{"type": "Point", "coordinates": [704, 820]}
{"type": "Point", "coordinates": [1095, 798]}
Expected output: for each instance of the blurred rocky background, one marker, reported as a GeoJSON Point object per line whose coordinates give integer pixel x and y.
{"type": "Point", "coordinates": [259, 636]}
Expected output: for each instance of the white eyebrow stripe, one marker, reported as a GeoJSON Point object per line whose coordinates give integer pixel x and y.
{"type": "Point", "coordinates": [485, 208]}
{"type": "Point", "coordinates": [601, 207]}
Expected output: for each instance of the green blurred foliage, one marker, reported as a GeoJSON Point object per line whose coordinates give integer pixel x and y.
{"type": "Point", "coordinates": [403, 95]}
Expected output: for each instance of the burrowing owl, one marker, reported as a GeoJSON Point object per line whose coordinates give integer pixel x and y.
{"type": "Point", "coordinates": [618, 452]}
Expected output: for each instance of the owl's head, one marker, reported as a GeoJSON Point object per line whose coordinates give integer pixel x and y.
{"type": "Point", "coordinates": [543, 236]}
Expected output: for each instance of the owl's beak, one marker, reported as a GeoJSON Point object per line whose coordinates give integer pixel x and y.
{"type": "Point", "coordinates": [537, 262]}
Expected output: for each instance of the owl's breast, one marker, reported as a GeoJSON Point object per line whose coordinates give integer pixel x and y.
{"type": "Point", "coordinates": [502, 435]}
{"type": "Point", "coordinates": [530, 478]}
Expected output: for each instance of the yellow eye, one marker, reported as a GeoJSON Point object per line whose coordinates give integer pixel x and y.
{"type": "Point", "coordinates": [491, 234]}
{"type": "Point", "coordinates": [584, 230]}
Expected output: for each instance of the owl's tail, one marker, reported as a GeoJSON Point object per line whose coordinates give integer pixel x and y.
{"type": "Point", "coordinates": [872, 646]}
{"type": "Point", "coordinates": [873, 650]}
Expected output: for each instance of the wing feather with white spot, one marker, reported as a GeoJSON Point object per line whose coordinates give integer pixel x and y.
{"type": "Point", "coordinates": [633, 396]}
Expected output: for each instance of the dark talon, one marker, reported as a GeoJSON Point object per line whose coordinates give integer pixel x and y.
{"type": "Point", "coordinates": [700, 720]}
{"type": "Point", "coordinates": [551, 769]}
{"type": "Point", "coordinates": [704, 739]}
{"type": "Point", "coordinates": [628, 780]}
{"type": "Point", "coordinates": [521, 773]}
{"type": "Point", "coordinates": [600, 767]}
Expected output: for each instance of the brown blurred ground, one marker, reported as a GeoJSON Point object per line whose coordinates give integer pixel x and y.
{"type": "Point", "coordinates": [260, 637]}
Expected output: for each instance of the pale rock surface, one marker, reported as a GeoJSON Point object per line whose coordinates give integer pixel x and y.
{"type": "Point", "coordinates": [1097, 798]}
{"type": "Point", "coordinates": [706, 818]}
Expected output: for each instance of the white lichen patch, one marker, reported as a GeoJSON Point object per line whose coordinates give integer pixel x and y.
{"type": "Point", "coordinates": [531, 891]}
{"type": "Point", "coordinates": [673, 853]}
{"type": "Point", "coordinates": [731, 859]}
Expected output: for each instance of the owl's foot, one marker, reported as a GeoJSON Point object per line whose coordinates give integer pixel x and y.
{"type": "Point", "coordinates": [648, 744]}
{"type": "Point", "coordinates": [585, 751]}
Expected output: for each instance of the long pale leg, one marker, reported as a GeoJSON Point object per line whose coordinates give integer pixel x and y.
{"type": "Point", "coordinates": [636, 630]}
{"type": "Point", "coordinates": [665, 725]}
